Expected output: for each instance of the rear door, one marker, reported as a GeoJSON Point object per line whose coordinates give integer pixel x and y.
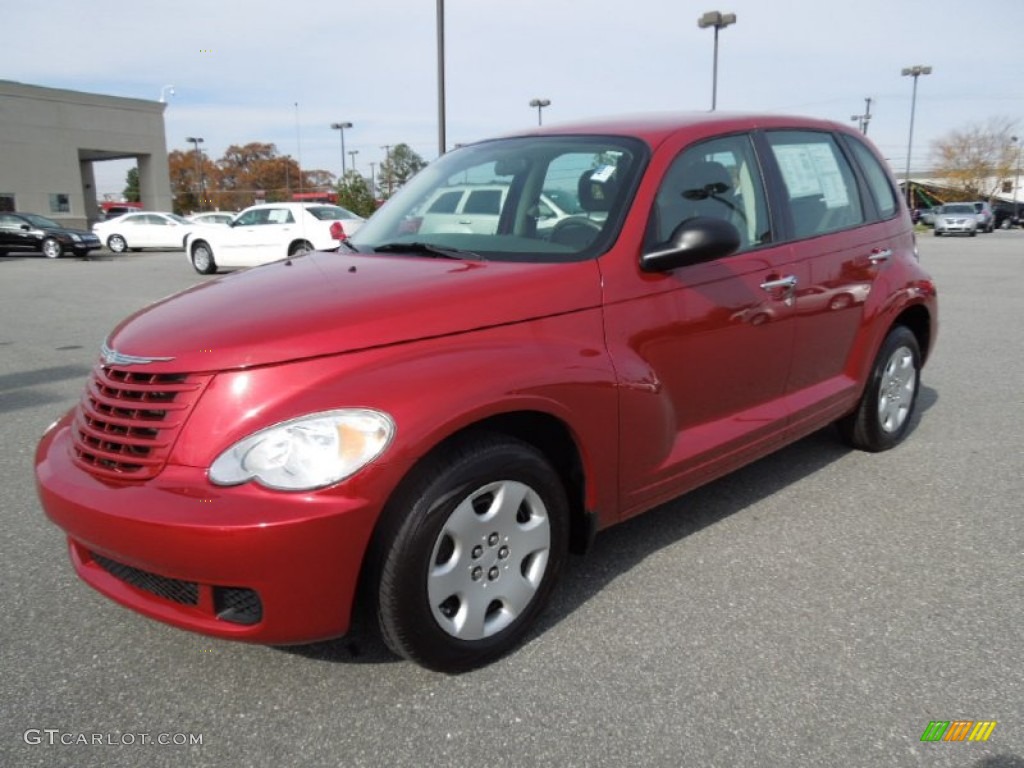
{"type": "Point", "coordinates": [841, 242]}
{"type": "Point", "coordinates": [703, 352]}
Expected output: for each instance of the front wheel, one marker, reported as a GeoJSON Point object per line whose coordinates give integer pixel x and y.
{"type": "Point", "coordinates": [883, 415]}
{"type": "Point", "coordinates": [202, 258]}
{"type": "Point", "coordinates": [468, 553]}
{"type": "Point", "coordinates": [52, 249]}
{"type": "Point", "coordinates": [117, 244]}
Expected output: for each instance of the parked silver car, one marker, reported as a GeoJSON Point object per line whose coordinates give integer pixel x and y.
{"type": "Point", "coordinates": [986, 216]}
{"type": "Point", "coordinates": [956, 218]}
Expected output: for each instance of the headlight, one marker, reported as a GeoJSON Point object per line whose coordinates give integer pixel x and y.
{"type": "Point", "coordinates": [310, 452]}
{"type": "Point", "coordinates": [76, 238]}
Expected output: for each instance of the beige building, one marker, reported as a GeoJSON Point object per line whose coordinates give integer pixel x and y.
{"type": "Point", "coordinates": [50, 138]}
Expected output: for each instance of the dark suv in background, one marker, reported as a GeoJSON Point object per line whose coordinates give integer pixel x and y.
{"type": "Point", "coordinates": [1007, 215]}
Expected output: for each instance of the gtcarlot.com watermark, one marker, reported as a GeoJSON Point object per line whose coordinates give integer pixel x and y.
{"type": "Point", "coordinates": [56, 737]}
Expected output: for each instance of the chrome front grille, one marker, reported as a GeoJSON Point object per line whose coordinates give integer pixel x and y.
{"type": "Point", "coordinates": [127, 421]}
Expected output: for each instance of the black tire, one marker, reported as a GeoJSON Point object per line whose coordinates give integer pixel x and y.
{"type": "Point", "coordinates": [51, 248]}
{"type": "Point", "coordinates": [974, 233]}
{"type": "Point", "coordinates": [467, 553]}
{"type": "Point", "coordinates": [202, 259]}
{"type": "Point", "coordinates": [886, 409]}
{"type": "Point", "coordinates": [299, 248]}
{"type": "Point", "coordinates": [117, 244]}
{"type": "Point", "coordinates": [937, 233]}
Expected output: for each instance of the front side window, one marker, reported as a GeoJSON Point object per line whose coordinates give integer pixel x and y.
{"type": "Point", "coordinates": [253, 217]}
{"type": "Point", "coordinates": [492, 200]}
{"type": "Point", "coordinates": [822, 194]}
{"type": "Point", "coordinates": [718, 179]}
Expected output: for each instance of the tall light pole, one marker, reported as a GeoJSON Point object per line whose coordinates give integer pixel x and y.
{"type": "Point", "coordinates": [341, 127]}
{"type": "Point", "coordinates": [352, 153]}
{"type": "Point", "coordinates": [718, 20]}
{"type": "Point", "coordinates": [373, 181]}
{"type": "Point", "coordinates": [914, 72]}
{"type": "Point", "coordinates": [440, 78]}
{"type": "Point", "coordinates": [1016, 179]}
{"type": "Point", "coordinates": [298, 144]}
{"type": "Point", "coordinates": [196, 141]}
{"type": "Point", "coordinates": [540, 104]}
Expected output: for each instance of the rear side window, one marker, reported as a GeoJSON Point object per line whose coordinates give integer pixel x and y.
{"type": "Point", "coordinates": [821, 189]}
{"type": "Point", "coordinates": [484, 201]}
{"type": "Point", "coordinates": [878, 179]}
{"type": "Point", "coordinates": [446, 203]}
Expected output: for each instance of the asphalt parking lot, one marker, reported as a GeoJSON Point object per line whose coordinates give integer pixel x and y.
{"type": "Point", "coordinates": [818, 608]}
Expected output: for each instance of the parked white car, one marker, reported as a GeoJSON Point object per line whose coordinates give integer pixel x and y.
{"type": "Point", "coordinates": [145, 229]}
{"type": "Point", "coordinates": [269, 232]}
{"type": "Point", "coordinates": [477, 208]}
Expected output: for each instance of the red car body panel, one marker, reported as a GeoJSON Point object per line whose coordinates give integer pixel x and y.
{"type": "Point", "coordinates": [663, 381]}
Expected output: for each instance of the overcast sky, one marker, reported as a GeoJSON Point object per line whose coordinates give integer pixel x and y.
{"type": "Point", "coordinates": [240, 68]}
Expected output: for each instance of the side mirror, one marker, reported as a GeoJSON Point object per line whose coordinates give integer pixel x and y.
{"type": "Point", "coordinates": [695, 241]}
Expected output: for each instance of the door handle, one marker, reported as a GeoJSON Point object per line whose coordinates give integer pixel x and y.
{"type": "Point", "coordinates": [877, 257]}
{"type": "Point", "coordinates": [788, 282]}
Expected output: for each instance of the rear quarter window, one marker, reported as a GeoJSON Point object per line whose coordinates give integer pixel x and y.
{"type": "Point", "coordinates": [877, 178]}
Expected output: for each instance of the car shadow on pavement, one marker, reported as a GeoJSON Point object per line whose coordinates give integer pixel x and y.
{"type": "Point", "coordinates": [23, 389]}
{"type": "Point", "coordinates": [621, 548]}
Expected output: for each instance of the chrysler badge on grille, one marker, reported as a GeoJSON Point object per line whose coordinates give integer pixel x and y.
{"type": "Point", "coordinates": [113, 357]}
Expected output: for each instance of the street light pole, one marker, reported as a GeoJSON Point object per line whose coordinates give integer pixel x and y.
{"type": "Point", "coordinates": [352, 153]}
{"type": "Point", "coordinates": [373, 181]}
{"type": "Point", "coordinates": [196, 141]}
{"type": "Point", "coordinates": [1016, 181]}
{"type": "Point", "coordinates": [341, 128]}
{"type": "Point", "coordinates": [863, 120]}
{"type": "Point", "coordinates": [718, 20]}
{"type": "Point", "coordinates": [914, 72]}
{"type": "Point", "coordinates": [540, 104]}
{"type": "Point", "coordinates": [441, 142]}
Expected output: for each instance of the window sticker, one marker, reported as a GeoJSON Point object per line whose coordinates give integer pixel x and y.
{"type": "Point", "coordinates": [602, 173]}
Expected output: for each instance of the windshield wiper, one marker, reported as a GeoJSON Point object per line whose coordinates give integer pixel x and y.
{"type": "Point", "coordinates": [427, 249]}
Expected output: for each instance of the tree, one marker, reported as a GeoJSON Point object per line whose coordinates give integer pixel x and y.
{"type": "Point", "coordinates": [978, 159]}
{"type": "Point", "coordinates": [131, 190]}
{"type": "Point", "coordinates": [354, 194]}
{"type": "Point", "coordinates": [401, 164]}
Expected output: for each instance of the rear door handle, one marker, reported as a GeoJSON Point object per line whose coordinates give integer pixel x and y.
{"type": "Point", "coordinates": [877, 257]}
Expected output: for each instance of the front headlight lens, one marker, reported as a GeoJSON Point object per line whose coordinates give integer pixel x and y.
{"type": "Point", "coordinates": [310, 452]}
{"type": "Point", "coordinates": [76, 238]}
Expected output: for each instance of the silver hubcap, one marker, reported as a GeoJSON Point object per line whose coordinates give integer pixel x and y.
{"type": "Point", "coordinates": [116, 244]}
{"type": "Point", "coordinates": [896, 391]}
{"type": "Point", "coordinates": [489, 560]}
{"type": "Point", "coordinates": [201, 258]}
{"type": "Point", "coordinates": [51, 249]}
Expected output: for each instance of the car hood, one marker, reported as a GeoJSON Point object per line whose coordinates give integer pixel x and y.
{"type": "Point", "coordinates": [328, 303]}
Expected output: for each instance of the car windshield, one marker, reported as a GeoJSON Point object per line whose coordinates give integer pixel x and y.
{"type": "Point", "coordinates": [331, 213]}
{"type": "Point", "coordinates": [41, 221]}
{"type": "Point", "coordinates": [535, 198]}
{"type": "Point", "coordinates": [965, 208]}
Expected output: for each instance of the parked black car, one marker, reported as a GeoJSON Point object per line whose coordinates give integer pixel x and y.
{"type": "Point", "coordinates": [30, 232]}
{"type": "Point", "coordinates": [1008, 215]}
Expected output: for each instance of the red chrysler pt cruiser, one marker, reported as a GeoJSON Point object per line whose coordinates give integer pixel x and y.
{"type": "Point", "coordinates": [538, 337]}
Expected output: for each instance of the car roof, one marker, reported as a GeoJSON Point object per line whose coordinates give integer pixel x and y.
{"type": "Point", "coordinates": [655, 128]}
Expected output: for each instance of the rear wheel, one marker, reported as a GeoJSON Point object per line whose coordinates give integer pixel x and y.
{"type": "Point", "coordinates": [883, 415]}
{"type": "Point", "coordinates": [468, 553]}
{"type": "Point", "coordinates": [299, 248]}
{"type": "Point", "coordinates": [52, 249]}
{"type": "Point", "coordinates": [117, 244]}
{"type": "Point", "coordinates": [202, 258]}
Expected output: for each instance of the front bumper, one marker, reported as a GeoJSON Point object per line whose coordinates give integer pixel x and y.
{"type": "Point", "coordinates": [243, 563]}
